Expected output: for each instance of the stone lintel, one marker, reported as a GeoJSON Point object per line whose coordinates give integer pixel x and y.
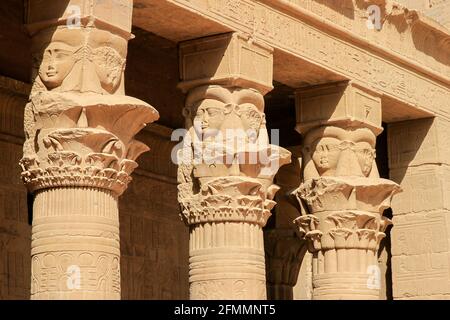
{"type": "Point", "coordinates": [228, 59]}
{"type": "Point", "coordinates": [341, 104]}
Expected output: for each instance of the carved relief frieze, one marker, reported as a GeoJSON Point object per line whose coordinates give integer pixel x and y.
{"type": "Point", "coordinates": [284, 26]}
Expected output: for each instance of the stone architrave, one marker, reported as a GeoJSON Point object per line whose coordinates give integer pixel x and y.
{"type": "Point", "coordinates": [226, 165]}
{"type": "Point", "coordinates": [342, 195]}
{"type": "Point", "coordinates": [79, 151]}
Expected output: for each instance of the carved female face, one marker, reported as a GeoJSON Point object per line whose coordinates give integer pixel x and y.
{"type": "Point", "coordinates": [57, 62]}
{"type": "Point", "coordinates": [109, 66]}
{"type": "Point", "coordinates": [365, 155]}
{"type": "Point", "coordinates": [251, 119]}
{"type": "Point", "coordinates": [209, 117]}
{"type": "Point", "coordinates": [325, 155]}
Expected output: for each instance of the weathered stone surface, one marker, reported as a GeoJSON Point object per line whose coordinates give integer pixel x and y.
{"type": "Point", "coordinates": [226, 166]}
{"type": "Point", "coordinates": [427, 188]}
{"type": "Point", "coordinates": [419, 142]}
{"type": "Point", "coordinates": [80, 150]}
{"type": "Point", "coordinates": [385, 61]}
{"type": "Point", "coordinates": [342, 196]}
{"type": "Point", "coordinates": [421, 255]}
{"type": "Point", "coordinates": [418, 158]}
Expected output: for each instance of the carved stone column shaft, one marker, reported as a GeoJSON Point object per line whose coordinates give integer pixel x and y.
{"type": "Point", "coordinates": [284, 254]}
{"type": "Point", "coordinates": [75, 244]}
{"type": "Point", "coordinates": [226, 257]}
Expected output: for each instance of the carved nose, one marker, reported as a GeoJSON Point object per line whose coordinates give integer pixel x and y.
{"type": "Point", "coordinates": [348, 164]}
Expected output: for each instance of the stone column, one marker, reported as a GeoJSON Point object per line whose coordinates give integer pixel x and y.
{"type": "Point", "coordinates": [226, 165]}
{"type": "Point", "coordinates": [283, 246]}
{"type": "Point", "coordinates": [284, 254]}
{"type": "Point", "coordinates": [342, 196]}
{"type": "Point", "coordinates": [79, 151]}
{"type": "Point", "coordinates": [419, 160]}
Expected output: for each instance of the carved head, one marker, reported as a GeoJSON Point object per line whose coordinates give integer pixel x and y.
{"type": "Point", "coordinates": [334, 151]}
{"type": "Point", "coordinates": [57, 62]}
{"type": "Point", "coordinates": [326, 155]}
{"type": "Point", "coordinates": [79, 60]}
{"type": "Point", "coordinates": [213, 109]}
{"type": "Point", "coordinates": [210, 117]}
{"type": "Point", "coordinates": [109, 66]}
{"type": "Point", "coordinates": [251, 119]}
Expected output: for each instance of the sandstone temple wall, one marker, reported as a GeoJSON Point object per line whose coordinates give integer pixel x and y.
{"type": "Point", "coordinates": [353, 203]}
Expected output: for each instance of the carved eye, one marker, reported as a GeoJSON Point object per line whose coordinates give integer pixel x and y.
{"type": "Point", "coordinates": [322, 148]}
{"type": "Point", "coordinates": [61, 54]}
{"type": "Point", "coordinates": [213, 111]}
{"type": "Point", "coordinates": [47, 55]}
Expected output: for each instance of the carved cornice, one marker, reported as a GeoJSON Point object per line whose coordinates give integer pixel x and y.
{"type": "Point", "coordinates": [418, 23]}
{"type": "Point", "coordinates": [416, 81]}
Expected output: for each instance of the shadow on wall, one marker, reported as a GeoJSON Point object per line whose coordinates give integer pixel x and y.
{"type": "Point", "coordinates": [404, 144]}
{"type": "Point", "coordinates": [345, 7]}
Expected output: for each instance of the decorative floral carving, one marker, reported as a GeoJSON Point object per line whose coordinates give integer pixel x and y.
{"type": "Point", "coordinates": [218, 180]}
{"type": "Point", "coordinates": [342, 197]}
{"type": "Point", "coordinates": [83, 140]}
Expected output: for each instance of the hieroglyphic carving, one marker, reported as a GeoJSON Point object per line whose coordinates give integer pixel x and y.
{"type": "Point", "coordinates": [400, 30]}
{"type": "Point", "coordinates": [14, 227]}
{"type": "Point", "coordinates": [80, 149]}
{"type": "Point", "coordinates": [226, 166]}
{"type": "Point", "coordinates": [369, 68]}
{"type": "Point", "coordinates": [342, 196]}
{"type": "Point", "coordinates": [420, 234]}
{"type": "Point", "coordinates": [98, 271]}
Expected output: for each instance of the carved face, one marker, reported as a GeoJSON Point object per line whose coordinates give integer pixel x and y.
{"type": "Point", "coordinates": [209, 117]}
{"type": "Point", "coordinates": [326, 155]}
{"type": "Point", "coordinates": [251, 119]}
{"type": "Point", "coordinates": [57, 62]}
{"type": "Point", "coordinates": [109, 66]}
{"type": "Point", "coordinates": [366, 156]}
{"type": "Point", "coordinates": [339, 151]}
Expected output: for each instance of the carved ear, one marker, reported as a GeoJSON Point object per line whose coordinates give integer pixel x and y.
{"type": "Point", "coordinates": [230, 107]}
{"type": "Point", "coordinates": [308, 166]}
{"type": "Point", "coordinates": [374, 171]}
{"type": "Point", "coordinates": [187, 113]}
